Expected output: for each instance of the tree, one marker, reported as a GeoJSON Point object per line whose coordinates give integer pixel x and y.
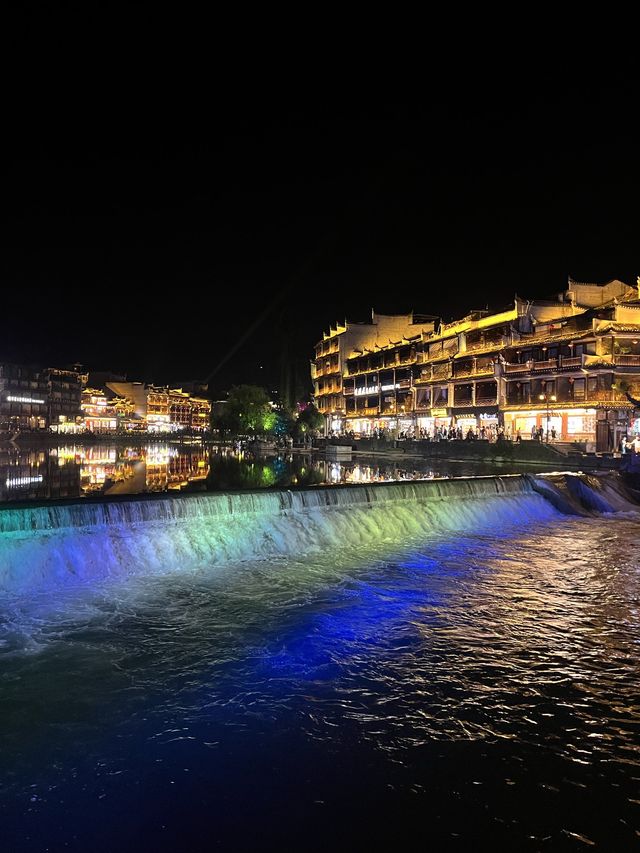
{"type": "Point", "coordinates": [250, 411]}
{"type": "Point", "coordinates": [223, 423]}
{"type": "Point", "coordinates": [309, 421]}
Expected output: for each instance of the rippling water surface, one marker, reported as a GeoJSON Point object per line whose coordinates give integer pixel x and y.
{"type": "Point", "coordinates": [474, 691]}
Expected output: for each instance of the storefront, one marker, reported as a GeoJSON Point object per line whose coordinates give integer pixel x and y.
{"type": "Point", "coordinates": [465, 423]}
{"type": "Point", "coordinates": [406, 426]}
{"type": "Point", "coordinates": [427, 425]}
{"type": "Point", "coordinates": [467, 420]}
{"type": "Point", "coordinates": [567, 424]}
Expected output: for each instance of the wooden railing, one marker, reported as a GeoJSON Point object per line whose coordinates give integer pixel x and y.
{"type": "Point", "coordinates": [627, 360]}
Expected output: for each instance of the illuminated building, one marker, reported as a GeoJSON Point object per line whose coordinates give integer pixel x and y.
{"type": "Point", "coordinates": [24, 398]}
{"type": "Point", "coordinates": [187, 412]}
{"type": "Point", "coordinates": [577, 362]}
{"type": "Point", "coordinates": [570, 359]}
{"type": "Point", "coordinates": [179, 409]}
{"type": "Point", "coordinates": [32, 398]}
{"type": "Point", "coordinates": [200, 414]}
{"type": "Point", "coordinates": [427, 380]}
{"type": "Point", "coordinates": [95, 411]}
{"type": "Point", "coordinates": [65, 397]}
{"type": "Point", "coordinates": [349, 340]}
{"type": "Point", "coordinates": [158, 409]}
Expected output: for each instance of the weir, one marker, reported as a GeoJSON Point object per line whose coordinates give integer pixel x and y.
{"type": "Point", "coordinates": [78, 542]}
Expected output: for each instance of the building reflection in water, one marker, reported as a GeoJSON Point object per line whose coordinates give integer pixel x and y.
{"type": "Point", "coordinates": [76, 471]}
{"type": "Point", "coordinates": [107, 469]}
{"type": "Point", "coordinates": [339, 472]}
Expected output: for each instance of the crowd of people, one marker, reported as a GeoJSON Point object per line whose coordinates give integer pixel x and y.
{"type": "Point", "coordinates": [441, 433]}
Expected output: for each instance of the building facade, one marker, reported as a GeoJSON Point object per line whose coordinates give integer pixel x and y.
{"type": "Point", "coordinates": [65, 389]}
{"type": "Point", "coordinates": [24, 398]}
{"type": "Point", "coordinates": [344, 342]}
{"type": "Point", "coordinates": [60, 400]}
{"type": "Point", "coordinates": [98, 414]}
{"type": "Point", "coordinates": [159, 409]}
{"type": "Point", "coordinates": [563, 366]}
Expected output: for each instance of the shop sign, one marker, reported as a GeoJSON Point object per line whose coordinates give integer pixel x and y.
{"type": "Point", "coordinates": [439, 413]}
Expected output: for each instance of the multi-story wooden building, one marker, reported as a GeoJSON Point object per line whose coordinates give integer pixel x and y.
{"type": "Point", "coordinates": [562, 366]}
{"type": "Point", "coordinates": [353, 340]}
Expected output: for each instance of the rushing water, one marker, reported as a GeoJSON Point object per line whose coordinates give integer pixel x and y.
{"type": "Point", "coordinates": [324, 670]}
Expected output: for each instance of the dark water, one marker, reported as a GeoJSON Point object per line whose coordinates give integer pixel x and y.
{"type": "Point", "coordinates": [117, 469]}
{"type": "Point", "coordinates": [476, 691]}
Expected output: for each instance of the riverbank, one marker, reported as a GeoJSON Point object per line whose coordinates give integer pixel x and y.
{"type": "Point", "coordinates": [524, 453]}
{"type": "Point", "coordinates": [45, 439]}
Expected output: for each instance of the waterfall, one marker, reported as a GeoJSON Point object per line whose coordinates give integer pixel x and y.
{"type": "Point", "coordinates": [77, 542]}
{"type": "Point", "coordinates": [585, 494]}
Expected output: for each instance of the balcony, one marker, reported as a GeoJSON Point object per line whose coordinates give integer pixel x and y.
{"type": "Point", "coordinates": [606, 397]}
{"type": "Point", "coordinates": [484, 370]}
{"type": "Point", "coordinates": [463, 404]}
{"type": "Point", "coordinates": [549, 364]}
{"type": "Point", "coordinates": [487, 401]}
{"type": "Point", "coordinates": [423, 379]}
{"type": "Point", "coordinates": [587, 400]}
{"type": "Point", "coordinates": [517, 368]}
{"type": "Point", "coordinates": [488, 344]}
{"type": "Point", "coordinates": [441, 371]}
{"type": "Point", "coordinates": [347, 391]}
{"type": "Point", "coordinates": [627, 360]}
{"type": "Point", "coordinates": [459, 371]}
{"type": "Point", "coordinates": [404, 383]}
{"type": "Point", "coordinates": [572, 361]}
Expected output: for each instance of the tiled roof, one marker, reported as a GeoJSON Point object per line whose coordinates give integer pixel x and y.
{"type": "Point", "coordinates": [572, 335]}
{"type": "Point", "coordinates": [620, 327]}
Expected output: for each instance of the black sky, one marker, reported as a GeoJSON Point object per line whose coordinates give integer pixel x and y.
{"type": "Point", "coordinates": [150, 233]}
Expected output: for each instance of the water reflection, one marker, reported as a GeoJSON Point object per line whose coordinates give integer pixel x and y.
{"type": "Point", "coordinates": [74, 471]}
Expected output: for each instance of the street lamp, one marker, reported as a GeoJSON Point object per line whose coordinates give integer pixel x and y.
{"type": "Point", "coordinates": [547, 398]}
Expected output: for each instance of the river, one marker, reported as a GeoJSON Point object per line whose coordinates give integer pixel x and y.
{"type": "Point", "coordinates": [456, 663]}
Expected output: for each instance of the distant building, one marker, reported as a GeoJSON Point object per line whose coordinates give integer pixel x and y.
{"type": "Point", "coordinates": [200, 414]}
{"type": "Point", "coordinates": [98, 415]}
{"type": "Point", "coordinates": [161, 409]}
{"type": "Point", "coordinates": [24, 398]}
{"type": "Point", "coordinates": [65, 398]}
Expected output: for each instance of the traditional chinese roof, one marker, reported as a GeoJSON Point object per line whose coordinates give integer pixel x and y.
{"type": "Point", "coordinates": [619, 327]}
{"type": "Point", "coordinates": [534, 340]}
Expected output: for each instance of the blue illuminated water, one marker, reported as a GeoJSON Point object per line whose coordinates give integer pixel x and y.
{"type": "Point", "coordinates": [471, 688]}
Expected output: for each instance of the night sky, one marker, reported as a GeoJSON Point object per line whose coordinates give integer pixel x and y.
{"type": "Point", "coordinates": [271, 211]}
